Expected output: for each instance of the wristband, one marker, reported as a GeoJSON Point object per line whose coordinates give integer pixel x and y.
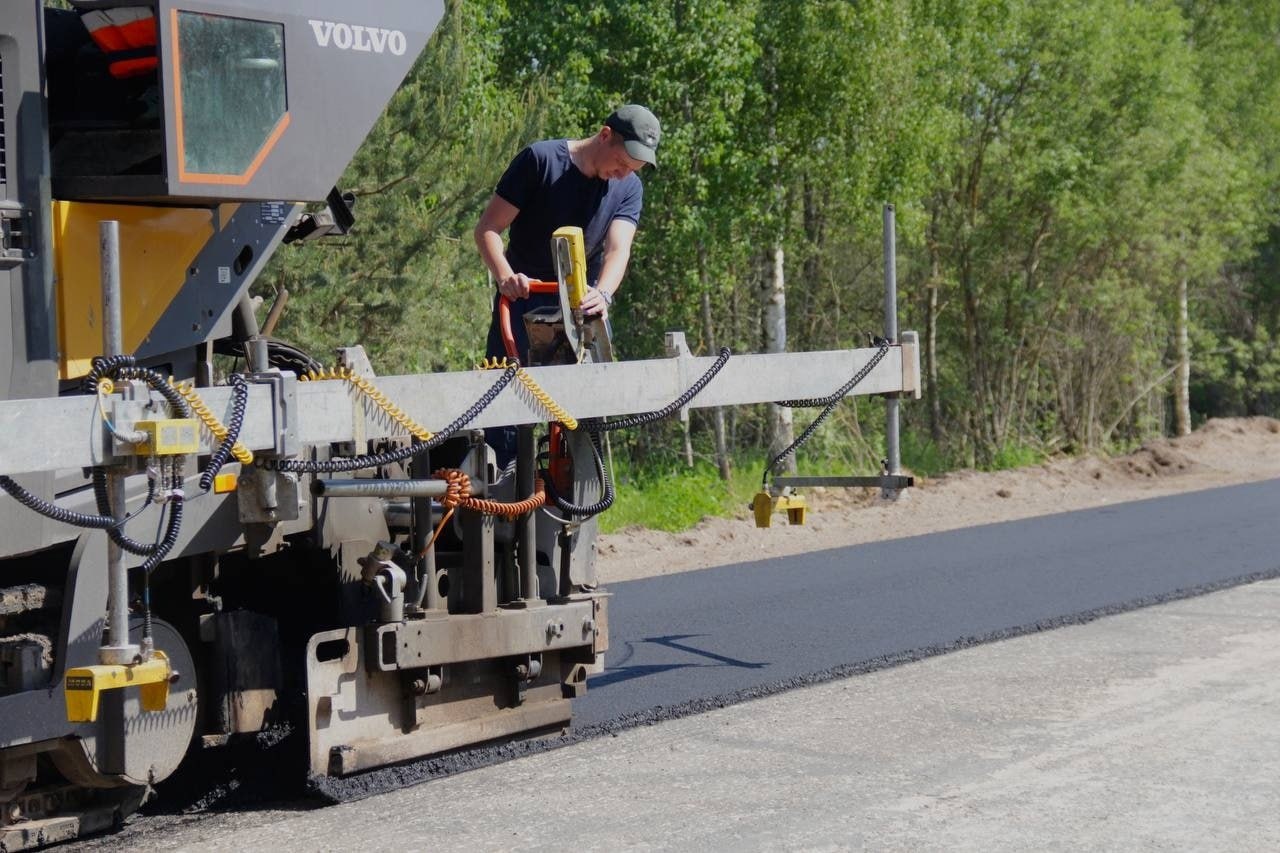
{"type": "Point", "coordinates": [607, 297]}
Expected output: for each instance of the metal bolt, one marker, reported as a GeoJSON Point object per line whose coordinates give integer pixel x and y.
{"type": "Point", "coordinates": [15, 812]}
{"type": "Point", "coordinates": [588, 627]}
{"type": "Point", "coordinates": [419, 686]}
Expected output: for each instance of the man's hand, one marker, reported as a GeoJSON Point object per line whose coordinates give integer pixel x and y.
{"type": "Point", "coordinates": [594, 304]}
{"type": "Point", "coordinates": [515, 286]}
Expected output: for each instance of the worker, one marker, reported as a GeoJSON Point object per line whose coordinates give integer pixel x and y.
{"type": "Point", "coordinates": [590, 183]}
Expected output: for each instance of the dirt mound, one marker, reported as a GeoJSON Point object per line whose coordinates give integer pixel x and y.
{"type": "Point", "coordinates": [1222, 452]}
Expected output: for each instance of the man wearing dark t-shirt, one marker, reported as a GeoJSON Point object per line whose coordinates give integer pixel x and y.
{"type": "Point", "coordinates": [587, 182]}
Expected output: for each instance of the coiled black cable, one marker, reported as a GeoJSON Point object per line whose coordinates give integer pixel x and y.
{"type": "Point", "coordinates": [52, 510]}
{"type": "Point", "coordinates": [375, 460]}
{"type": "Point", "coordinates": [114, 530]}
{"type": "Point", "coordinates": [239, 401]}
{"type": "Point", "coordinates": [595, 427]}
{"type": "Point", "coordinates": [671, 408]}
{"type": "Point", "coordinates": [829, 403]}
{"type": "Point", "coordinates": [169, 539]}
{"type": "Point", "coordinates": [602, 473]}
{"type": "Point", "coordinates": [124, 367]}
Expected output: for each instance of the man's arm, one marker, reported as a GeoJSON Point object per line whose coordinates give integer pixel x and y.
{"type": "Point", "coordinates": [497, 217]}
{"type": "Point", "coordinates": [617, 253]}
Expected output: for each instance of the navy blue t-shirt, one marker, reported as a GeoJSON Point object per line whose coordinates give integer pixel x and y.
{"type": "Point", "coordinates": [550, 193]}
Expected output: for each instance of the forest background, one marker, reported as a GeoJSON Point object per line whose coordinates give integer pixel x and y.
{"type": "Point", "coordinates": [1086, 192]}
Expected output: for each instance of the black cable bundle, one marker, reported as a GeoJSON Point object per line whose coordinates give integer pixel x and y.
{"type": "Point", "coordinates": [239, 401]}
{"type": "Point", "coordinates": [376, 460]}
{"type": "Point", "coordinates": [829, 403]}
{"type": "Point", "coordinates": [602, 472]}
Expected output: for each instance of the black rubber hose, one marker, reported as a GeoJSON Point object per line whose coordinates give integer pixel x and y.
{"type": "Point", "coordinates": [162, 548]}
{"type": "Point", "coordinates": [606, 485]}
{"type": "Point", "coordinates": [115, 530]}
{"type": "Point", "coordinates": [829, 402]}
{"type": "Point", "coordinates": [672, 407]}
{"type": "Point", "coordinates": [51, 510]}
{"type": "Point", "coordinates": [239, 401]}
{"type": "Point", "coordinates": [376, 460]}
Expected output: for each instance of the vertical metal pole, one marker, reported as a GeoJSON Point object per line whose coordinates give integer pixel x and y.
{"type": "Point", "coordinates": [115, 648]}
{"type": "Point", "coordinates": [526, 535]}
{"type": "Point", "coordinates": [428, 588]}
{"type": "Point", "coordinates": [893, 460]}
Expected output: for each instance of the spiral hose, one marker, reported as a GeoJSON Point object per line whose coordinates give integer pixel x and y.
{"type": "Point", "coordinates": [229, 443]}
{"type": "Point", "coordinates": [376, 460]}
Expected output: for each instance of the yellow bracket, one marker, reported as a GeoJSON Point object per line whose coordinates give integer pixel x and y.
{"type": "Point", "coordinates": [764, 504]}
{"type": "Point", "coordinates": [570, 246]}
{"type": "Point", "coordinates": [84, 685]}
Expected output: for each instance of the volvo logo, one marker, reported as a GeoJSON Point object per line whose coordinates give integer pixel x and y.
{"type": "Point", "coordinates": [356, 37]}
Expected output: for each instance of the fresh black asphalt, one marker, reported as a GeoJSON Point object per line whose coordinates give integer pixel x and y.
{"type": "Point", "coordinates": [698, 636]}
{"type": "Point", "coordinates": [690, 642]}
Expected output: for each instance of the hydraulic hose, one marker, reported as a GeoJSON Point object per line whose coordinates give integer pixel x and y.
{"type": "Point", "coordinates": [53, 511]}
{"type": "Point", "coordinates": [828, 403]}
{"type": "Point", "coordinates": [376, 460]}
{"type": "Point", "coordinates": [239, 401]}
{"type": "Point", "coordinates": [602, 473]}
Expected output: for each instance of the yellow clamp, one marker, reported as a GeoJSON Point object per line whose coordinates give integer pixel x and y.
{"type": "Point", "coordinates": [364, 386]}
{"type": "Point", "coordinates": [544, 399]}
{"type": "Point", "coordinates": [187, 390]}
{"type": "Point", "coordinates": [84, 685]}
{"type": "Point", "coordinates": [764, 504]}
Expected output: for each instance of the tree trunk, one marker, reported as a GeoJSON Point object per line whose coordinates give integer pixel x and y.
{"type": "Point", "coordinates": [781, 432]}
{"type": "Point", "coordinates": [1182, 386]}
{"type": "Point", "coordinates": [717, 414]}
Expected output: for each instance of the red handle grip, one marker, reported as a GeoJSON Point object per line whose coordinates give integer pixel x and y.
{"type": "Point", "coordinates": [504, 314]}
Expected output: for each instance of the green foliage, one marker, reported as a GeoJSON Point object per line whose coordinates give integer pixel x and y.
{"type": "Point", "coordinates": [923, 456]}
{"type": "Point", "coordinates": [1057, 170]}
{"type": "Point", "coordinates": [1011, 455]}
{"type": "Point", "coordinates": [676, 498]}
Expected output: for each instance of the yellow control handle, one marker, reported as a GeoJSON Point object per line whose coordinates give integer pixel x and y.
{"type": "Point", "coordinates": [569, 249]}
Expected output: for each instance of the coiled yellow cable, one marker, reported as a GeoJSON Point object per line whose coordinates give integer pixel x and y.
{"type": "Point", "coordinates": [242, 454]}
{"type": "Point", "coordinates": [364, 386]}
{"type": "Point", "coordinates": [544, 399]}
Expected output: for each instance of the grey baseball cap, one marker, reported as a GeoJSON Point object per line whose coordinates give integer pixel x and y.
{"type": "Point", "coordinates": [640, 131]}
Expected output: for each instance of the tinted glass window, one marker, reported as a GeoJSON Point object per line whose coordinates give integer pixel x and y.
{"type": "Point", "coordinates": [233, 90]}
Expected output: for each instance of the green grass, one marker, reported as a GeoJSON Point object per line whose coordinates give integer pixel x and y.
{"type": "Point", "coordinates": [675, 498]}
{"type": "Point", "coordinates": [669, 496]}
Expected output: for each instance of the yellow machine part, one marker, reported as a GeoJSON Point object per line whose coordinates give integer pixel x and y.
{"type": "Point", "coordinates": [84, 685]}
{"type": "Point", "coordinates": [764, 504]}
{"type": "Point", "coordinates": [157, 247]}
{"type": "Point", "coordinates": [169, 436]}
{"type": "Point", "coordinates": [576, 252]}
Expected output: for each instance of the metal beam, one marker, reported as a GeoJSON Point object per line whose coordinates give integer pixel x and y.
{"type": "Point", "coordinates": [59, 433]}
